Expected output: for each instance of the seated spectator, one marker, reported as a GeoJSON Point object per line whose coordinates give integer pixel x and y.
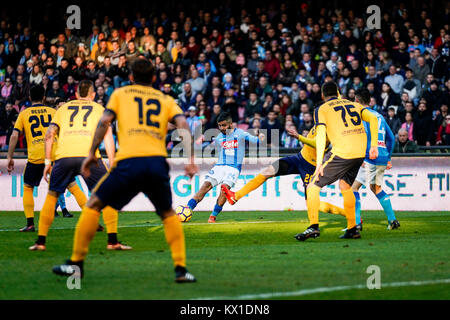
{"type": "Point", "coordinates": [253, 106]}
{"type": "Point", "coordinates": [273, 127]}
{"type": "Point", "coordinates": [408, 125]}
{"type": "Point", "coordinates": [307, 122]}
{"type": "Point", "coordinates": [393, 121]}
{"type": "Point", "coordinates": [122, 77]}
{"type": "Point", "coordinates": [54, 93]}
{"type": "Point", "coordinates": [443, 135]}
{"type": "Point", "coordinates": [388, 96]}
{"type": "Point", "coordinates": [412, 86]}
{"type": "Point", "coordinates": [187, 97]}
{"type": "Point", "coordinates": [433, 96]}
{"type": "Point", "coordinates": [193, 120]}
{"type": "Point", "coordinates": [404, 145]}
{"type": "Point", "coordinates": [288, 141]}
{"type": "Point", "coordinates": [394, 80]}
{"type": "Point", "coordinates": [7, 89]}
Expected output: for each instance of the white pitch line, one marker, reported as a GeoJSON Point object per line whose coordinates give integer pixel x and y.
{"type": "Point", "coordinates": [322, 290]}
{"type": "Point", "coordinates": [188, 224]}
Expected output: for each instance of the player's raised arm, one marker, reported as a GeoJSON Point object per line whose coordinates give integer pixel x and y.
{"type": "Point", "coordinates": [102, 128]}
{"type": "Point", "coordinates": [180, 122]}
{"type": "Point", "coordinates": [293, 133]}
{"type": "Point", "coordinates": [372, 119]}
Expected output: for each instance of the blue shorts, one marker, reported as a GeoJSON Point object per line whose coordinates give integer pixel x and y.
{"type": "Point", "coordinates": [295, 165]}
{"type": "Point", "coordinates": [131, 176]}
{"type": "Point", "coordinates": [66, 169]}
{"type": "Point", "coordinates": [33, 173]}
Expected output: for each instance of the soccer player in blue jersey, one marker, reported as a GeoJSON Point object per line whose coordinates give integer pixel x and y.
{"type": "Point", "coordinates": [372, 171]}
{"type": "Point", "coordinates": [230, 143]}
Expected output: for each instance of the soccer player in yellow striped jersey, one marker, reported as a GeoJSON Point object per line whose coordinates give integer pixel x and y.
{"type": "Point", "coordinates": [142, 115]}
{"type": "Point", "coordinates": [74, 123]}
{"type": "Point", "coordinates": [33, 122]}
{"type": "Point", "coordinates": [341, 121]}
{"type": "Point", "coordinates": [303, 164]}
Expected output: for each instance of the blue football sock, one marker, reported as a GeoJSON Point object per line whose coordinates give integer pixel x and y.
{"type": "Point", "coordinates": [192, 204]}
{"type": "Point", "coordinates": [357, 207]}
{"type": "Point", "coordinates": [217, 210]}
{"type": "Point", "coordinates": [386, 204]}
{"type": "Point", "coordinates": [61, 201]}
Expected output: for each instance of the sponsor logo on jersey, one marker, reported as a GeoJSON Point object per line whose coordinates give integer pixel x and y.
{"type": "Point", "coordinates": [230, 144]}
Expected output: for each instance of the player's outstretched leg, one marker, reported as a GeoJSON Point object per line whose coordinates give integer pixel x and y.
{"type": "Point", "coordinates": [175, 239]}
{"type": "Point", "coordinates": [204, 189]}
{"type": "Point", "coordinates": [110, 218]}
{"type": "Point", "coordinates": [28, 208]}
{"type": "Point", "coordinates": [313, 204]}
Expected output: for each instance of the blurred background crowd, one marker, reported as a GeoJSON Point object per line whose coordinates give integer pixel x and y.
{"type": "Point", "coordinates": [264, 62]}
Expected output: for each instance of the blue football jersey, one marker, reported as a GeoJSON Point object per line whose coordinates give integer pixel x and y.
{"type": "Point", "coordinates": [386, 141]}
{"type": "Point", "coordinates": [231, 147]}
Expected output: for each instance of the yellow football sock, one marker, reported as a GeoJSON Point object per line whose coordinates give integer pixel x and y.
{"type": "Point", "coordinates": [330, 208]}
{"type": "Point", "coordinates": [313, 203]}
{"type": "Point", "coordinates": [28, 201]}
{"type": "Point", "coordinates": [110, 217]}
{"type": "Point", "coordinates": [79, 195]}
{"type": "Point", "coordinates": [47, 215]}
{"type": "Point", "coordinates": [349, 207]}
{"type": "Point", "coordinates": [175, 238]}
{"type": "Point", "coordinates": [84, 233]}
{"type": "Point", "coordinates": [250, 186]}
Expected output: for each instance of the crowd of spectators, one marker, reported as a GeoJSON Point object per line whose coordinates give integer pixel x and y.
{"type": "Point", "coordinates": [263, 64]}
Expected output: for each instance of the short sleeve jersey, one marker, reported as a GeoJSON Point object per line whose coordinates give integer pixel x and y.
{"type": "Point", "coordinates": [344, 127]}
{"type": "Point", "coordinates": [142, 115]}
{"type": "Point", "coordinates": [77, 121]}
{"type": "Point", "coordinates": [34, 122]}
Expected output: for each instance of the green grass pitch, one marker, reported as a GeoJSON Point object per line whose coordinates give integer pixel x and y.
{"type": "Point", "coordinates": [246, 254]}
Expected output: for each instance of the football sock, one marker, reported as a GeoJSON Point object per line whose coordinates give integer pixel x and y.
{"type": "Point", "coordinates": [110, 218]}
{"type": "Point", "coordinates": [250, 186]}
{"type": "Point", "coordinates": [385, 202]}
{"type": "Point", "coordinates": [28, 204]}
{"type": "Point", "coordinates": [217, 210]}
{"type": "Point", "coordinates": [192, 204]}
{"type": "Point", "coordinates": [47, 215]}
{"type": "Point", "coordinates": [84, 233]}
{"type": "Point", "coordinates": [175, 238]}
{"type": "Point", "coordinates": [357, 207]}
{"type": "Point", "coordinates": [79, 195]}
{"type": "Point", "coordinates": [61, 201]}
{"type": "Point", "coordinates": [349, 207]}
{"type": "Point", "coordinates": [330, 208]}
{"type": "Point", "coordinates": [313, 203]}
{"type": "Point", "coordinates": [30, 222]}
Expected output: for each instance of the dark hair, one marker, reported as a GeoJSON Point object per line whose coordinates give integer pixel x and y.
{"type": "Point", "coordinates": [84, 87]}
{"type": "Point", "coordinates": [329, 89]}
{"type": "Point", "coordinates": [363, 95]}
{"type": "Point", "coordinates": [142, 71]}
{"type": "Point", "coordinates": [37, 93]}
{"type": "Point", "coordinates": [224, 116]}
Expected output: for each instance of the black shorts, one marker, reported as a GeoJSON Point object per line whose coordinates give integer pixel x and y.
{"type": "Point", "coordinates": [294, 165]}
{"type": "Point", "coordinates": [66, 169]}
{"type": "Point", "coordinates": [32, 174]}
{"type": "Point", "coordinates": [336, 168]}
{"type": "Point", "coordinates": [128, 177]}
